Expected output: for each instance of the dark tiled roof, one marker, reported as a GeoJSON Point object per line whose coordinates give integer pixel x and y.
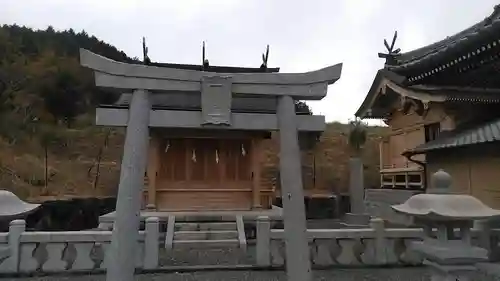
{"type": "Point", "coordinates": [486, 30]}
{"type": "Point", "coordinates": [487, 132]}
{"type": "Point", "coordinates": [217, 69]}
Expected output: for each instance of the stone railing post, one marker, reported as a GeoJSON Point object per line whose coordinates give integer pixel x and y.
{"type": "Point", "coordinates": [380, 240]}
{"type": "Point", "coordinates": [151, 243]}
{"type": "Point", "coordinates": [263, 254]}
{"type": "Point", "coordinates": [16, 229]}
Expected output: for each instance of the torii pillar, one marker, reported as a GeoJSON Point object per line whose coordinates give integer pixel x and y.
{"type": "Point", "coordinates": [124, 243]}
{"type": "Point", "coordinates": [298, 265]}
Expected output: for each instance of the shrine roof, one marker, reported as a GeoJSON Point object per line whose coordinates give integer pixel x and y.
{"type": "Point", "coordinates": [469, 42]}
{"type": "Point", "coordinates": [460, 68]}
{"type": "Point", "coordinates": [377, 105]}
{"type": "Point", "coordinates": [392, 85]}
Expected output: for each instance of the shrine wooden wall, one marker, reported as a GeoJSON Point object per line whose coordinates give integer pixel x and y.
{"type": "Point", "coordinates": [408, 131]}
{"type": "Point", "coordinates": [474, 170]}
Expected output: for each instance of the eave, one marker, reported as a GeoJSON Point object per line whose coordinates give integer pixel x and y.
{"type": "Point", "coordinates": [382, 77]}
{"type": "Point", "coordinates": [386, 80]}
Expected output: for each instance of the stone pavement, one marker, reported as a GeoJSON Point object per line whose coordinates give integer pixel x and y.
{"type": "Point", "coordinates": [386, 274]}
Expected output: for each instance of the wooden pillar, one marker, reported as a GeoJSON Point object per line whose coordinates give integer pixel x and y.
{"type": "Point", "coordinates": [188, 154]}
{"type": "Point", "coordinates": [124, 241]}
{"type": "Point", "coordinates": [381, 148]}
{"type": "Point", "coordinates": [153, 162]}
{"type": "Point", "coordinates": [298, 265]}
{"type": "Point", "coordinates": [256, 179]}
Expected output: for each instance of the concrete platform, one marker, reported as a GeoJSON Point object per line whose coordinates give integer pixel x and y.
{"type": "Point", "coordinates": [275, 214]}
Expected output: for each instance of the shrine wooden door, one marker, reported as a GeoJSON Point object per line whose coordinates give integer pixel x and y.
{"type": "Point", "coordinates": [204, 174]}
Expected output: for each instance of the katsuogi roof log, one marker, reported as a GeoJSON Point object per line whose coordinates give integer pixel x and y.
{"type": "Point", "coordinates": [306, 86]}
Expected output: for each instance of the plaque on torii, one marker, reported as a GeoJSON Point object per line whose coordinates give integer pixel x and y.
{"type": "Point", "coordinates": [216, 100]}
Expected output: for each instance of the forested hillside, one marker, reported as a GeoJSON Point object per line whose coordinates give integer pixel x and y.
{"type": "Point", "coordinates": [40, 76]}
{"type": "Point", "coordinates": [46, 113]}
{"type": "Point", "coordinates": [49, 148]}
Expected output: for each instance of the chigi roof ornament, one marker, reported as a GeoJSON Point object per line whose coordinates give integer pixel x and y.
{"type": "Point", "coordinates": [204, 60]}
{"type": "Point", "coordinates": [391, 53]}
{"type": "Point", "coordinates": [145, 49]}
{"type": "Point", "coordinates": [265, 57]}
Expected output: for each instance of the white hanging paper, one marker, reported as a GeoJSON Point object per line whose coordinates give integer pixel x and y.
{"type": "Point", "coordinates": [243, 151]}
{"type": "Point", "coordinates": [167, 147]}
{"type": "Point", "coordinates": [217, 156]}
{"type": "Point", "coordinates": [193, 157]}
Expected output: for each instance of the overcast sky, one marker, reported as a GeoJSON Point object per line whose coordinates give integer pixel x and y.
{"type": "Point", "coordinates": [303, 35]}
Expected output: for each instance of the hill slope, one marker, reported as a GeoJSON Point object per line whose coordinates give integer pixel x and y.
{"type": "Point", "coordinates": [47, 107]}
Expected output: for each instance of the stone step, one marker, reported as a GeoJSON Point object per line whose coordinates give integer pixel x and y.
{"type": "Point", "coordinates": [204, 226]}
{"type": "Point", "coordinates": [204, 218]}
{"type": "Point", "coordinates": [206, 243]}
{"type": "Point", "coordinates": [205, 235]}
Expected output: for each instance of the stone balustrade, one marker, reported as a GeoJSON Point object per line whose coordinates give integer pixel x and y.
{"type": "Point", "coordinates": [68, 251]}
{"type": "Point", "coordinates": [29, 252]}
{"type": "Point", "coordinates": [372, 246]}
{"type": "Point", "coordinates": [344, 247]}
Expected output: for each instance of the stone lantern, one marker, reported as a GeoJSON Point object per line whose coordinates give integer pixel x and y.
{"type": "Point", "coordinates": [11, 208]}
{"type": "Point", "coordinates": [450, 257]}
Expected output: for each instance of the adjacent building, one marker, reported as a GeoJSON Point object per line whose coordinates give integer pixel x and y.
{"type": "Point", "coordinates": [442, 103]}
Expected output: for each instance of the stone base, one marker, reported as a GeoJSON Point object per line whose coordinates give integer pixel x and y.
{"type": "Point", "coordinates": [275, 214]}
{"type": "Point", "coordinates": [356, 219]}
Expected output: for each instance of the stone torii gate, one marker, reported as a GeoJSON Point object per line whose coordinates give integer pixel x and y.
{"type": "Point", "coordinates": [216, 91]}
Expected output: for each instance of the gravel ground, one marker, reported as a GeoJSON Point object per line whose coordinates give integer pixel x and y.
{"type": "Point", "coordinates": [401, 274]}
{"type": "Point", "coordinates": [222, 256]}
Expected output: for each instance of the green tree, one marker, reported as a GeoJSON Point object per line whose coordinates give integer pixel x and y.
{"type": "Point", "coordinates": [357, 135]}
{"type": "Point", "coordinates": [62, 98]}
{"type": "Point", "coordinates": [302, 107]}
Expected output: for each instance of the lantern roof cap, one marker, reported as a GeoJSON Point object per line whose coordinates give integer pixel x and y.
{"type": "Point", "coordinates": [440, 204]}
{"type": "Point", "coordinates": [11, 206]}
